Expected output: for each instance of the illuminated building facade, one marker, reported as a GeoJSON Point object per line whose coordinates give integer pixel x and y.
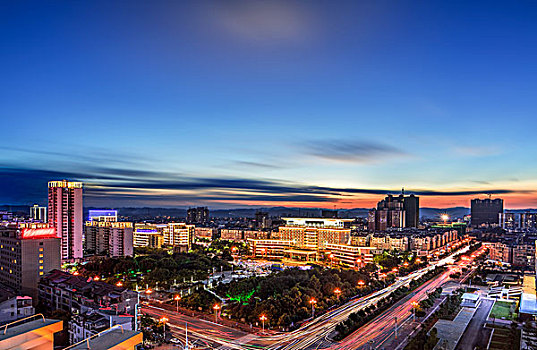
{"type": "Point", "coordinates": [351, 255]}
{"type": "Point", "coordinates": [179, 235]}
{"type": "Point", "coordinates": [27, 252]}
{"type": "Point", "coordinates": [312, 233]}
{"type": "Point", "coordinates": [65, 214]}
{"type": "Point", "coordinates": [102, 215]}
{"type": "Point", "coordinates": [148, 235]}
{"type": "Point", "coordinates": [108, 238]}
{"type": "Point", "coordinates": [205, 233]}
{"type": "Point", "coordinates": [240, 235]}
{"type": "Point", "coordinates": [268, 248]}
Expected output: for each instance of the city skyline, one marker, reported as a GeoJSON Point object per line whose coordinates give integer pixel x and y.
{"type": "Point", "coordinates": [267, 104]}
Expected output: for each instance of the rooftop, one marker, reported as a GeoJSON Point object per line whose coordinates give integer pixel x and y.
{"type": "Point", "coordinates": [115, 338]}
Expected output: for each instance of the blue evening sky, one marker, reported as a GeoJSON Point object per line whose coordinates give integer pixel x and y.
{"type": "Point", "coordinates": [137, 98]}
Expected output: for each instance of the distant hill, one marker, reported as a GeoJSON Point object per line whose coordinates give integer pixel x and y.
{"type": "Point", "coordinates": [427, 213]}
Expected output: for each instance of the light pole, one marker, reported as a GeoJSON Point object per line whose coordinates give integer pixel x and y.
{"type": "Point", "coordinates": [216, 307]}
{"type": "Point", "coordinates": [263, 318]}
{"type": "Point", "coordinates": [361, 284]}
{"type": "Point", "coordinates": [331, 256]}
{"type": "Point", "coordinates": [358, 262]}
{"type": "Point", "coordinates": [337, 292]}
{"type": "Point", "coordinates": [163, 320]}
{"type": "Point", "coordinates": [177, 298]}
{"type": "Point", "coordinates": [313, 302]}
{"type": "Point", "coordinates": [414, 307]}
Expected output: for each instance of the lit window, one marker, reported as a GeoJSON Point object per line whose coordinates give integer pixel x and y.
{"type": "Point", "coordinates": [40, 273]}
{"type": "Point", "coordinates": [40, 267]}
{"type": "Point", "coordinates": [40, 249]}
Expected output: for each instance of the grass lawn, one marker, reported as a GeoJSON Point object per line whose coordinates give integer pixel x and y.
{"type": "Point", "coordinates": [503, 310]}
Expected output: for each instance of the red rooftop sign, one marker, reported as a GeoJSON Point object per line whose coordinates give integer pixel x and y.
{"type": "Point", "coordinates": [38, 233]}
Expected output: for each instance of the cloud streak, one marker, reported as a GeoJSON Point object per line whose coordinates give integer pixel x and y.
{"type": "Point", "coordinates": [352, 151]}
{"type": "Point", "coordinates": [112, 185]}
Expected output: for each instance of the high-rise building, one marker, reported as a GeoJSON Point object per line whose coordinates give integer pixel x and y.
{"type": "Point", "coordinates": [108, 238]}
{"type": "Point", "coordinates": [38, 213]}
{"type": "Point", "coordinates": [395, 212]}
{"type": "Point", "coordinates": [27, 252]}
{"type": "Point", "coordinates": [486, 211]}
{"type": "Point", "coordinates": [66, 216]}
{"type": "Point", "coordinates": [199, 215]}
{"type": "Point", "coordinates": [262, 220]}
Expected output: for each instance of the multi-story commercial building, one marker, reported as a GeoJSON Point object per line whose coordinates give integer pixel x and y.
{"type": "Point", "coordinates": [108, 238]}
{"type": "Point", "coordinates": [390, 242]}
{"type": "Point", "coordinates": [27, 252]}
{"type": "Point", "coordinates": [351, 255]}
{"type": "Point", "coordinates": [179, 235]}
{"type": "Point", "coordinates": [149, 235]}
{"type": "Point", "coordinates": [268, 248]}
{"type": "Point", "coordinates": [38, 213]}
{"type": "Point", "coordinates": [315, 233]}
{"type": "Point", "coordinates": [486, 211]}
{"type": "Point", "coordinates": [66, 216]}
{"type": "Point", "coordinates": [241, 235]}
{"type": "Point", "coordinates": [394, 212]}
{"type": "Point", "coordinates": [102, 215]}
{"type": "Point", "coordinates": [206, 233]}
{"type": "Point", "coordinates": [13, 306]}
{"type": "Point", "coordinates": [199, 215]}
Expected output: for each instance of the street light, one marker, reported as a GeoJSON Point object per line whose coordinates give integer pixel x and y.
{"type": "Point", "coordinates": [177, 298]}
{"type": "Point", "coordinates": [445, 218]}
{"type": "Point", "coordinates": [163, 320]}
{"type": "Point", "coordinates": [96, 278]}
{"type": "Point", "coordinates": [313, 302]}
{"type": "Point", "coordinates": [216, 307]}
{"type": "Point", "coordinates": [361, 283]}
{"type": "Point", "coordinates": [76, 273]}
{"type": "Point", "coordinates": [263, 318]}
{"type": "Point", "coordinates": [119, 284]}
{"type": "Point", "coordinates": [358, 262]}
{"type": "Point", "coordinates": [337, 291]}
{"type": "Point", "coordinates": [331, 256]}
{"type": "Point", "coordinates": [415, 305]}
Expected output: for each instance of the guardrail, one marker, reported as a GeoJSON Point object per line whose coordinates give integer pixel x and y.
{"type": "Point", "coordinates": [87, 340]}
{"type": "Point", "coordinates": [22, 319]}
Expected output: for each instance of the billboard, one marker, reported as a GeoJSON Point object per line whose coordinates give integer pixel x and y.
{"type": "Point", "coordinates": [38, 233]}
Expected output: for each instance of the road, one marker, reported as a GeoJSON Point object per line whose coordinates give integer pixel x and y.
{"type": "Point", "coordinates": [312, 335]}
{"type": "Point", "coordinates": [380, 332]}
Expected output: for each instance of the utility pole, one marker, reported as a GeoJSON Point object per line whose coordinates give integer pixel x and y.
{"type": "Point", "coordinates": [186, 336]}
{"type": "Point", "coordinates": [396, 330]}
